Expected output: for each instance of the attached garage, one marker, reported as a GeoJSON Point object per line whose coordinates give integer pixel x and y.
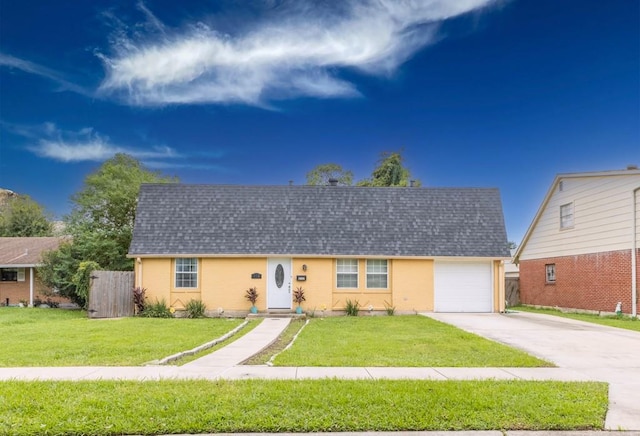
{"type": "Point", "coordinates": [463, 286]}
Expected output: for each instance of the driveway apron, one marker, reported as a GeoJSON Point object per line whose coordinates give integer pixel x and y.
{"type": "Point", "coordinates": [591, 351]}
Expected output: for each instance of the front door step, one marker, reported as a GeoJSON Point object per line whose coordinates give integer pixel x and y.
{"type": "Point", "coordinates": [287, 313]}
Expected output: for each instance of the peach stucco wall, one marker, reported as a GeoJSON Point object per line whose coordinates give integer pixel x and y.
{"type": "Point", "coordinates": [222, 283]}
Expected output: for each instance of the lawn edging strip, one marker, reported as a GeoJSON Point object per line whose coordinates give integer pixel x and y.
{"type": "Point", "coordinates": [199, 348]}
{"type": "Point", "coordinates": [270, 362]}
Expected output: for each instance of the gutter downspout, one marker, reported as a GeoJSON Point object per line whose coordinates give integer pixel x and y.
{"type": "Point", "coordinates": [30, 286]}
{"type": "Point", "coordinates": [138, 277]}
{"type": "Point", "coordinates": [634, 260]}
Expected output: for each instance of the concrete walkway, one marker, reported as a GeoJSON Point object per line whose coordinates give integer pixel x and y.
{"type": "Point", "coordinates": [582, 352]}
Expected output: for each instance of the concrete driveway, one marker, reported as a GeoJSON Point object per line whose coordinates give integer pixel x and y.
{"type": "Point", "coordinates": [592, 351]}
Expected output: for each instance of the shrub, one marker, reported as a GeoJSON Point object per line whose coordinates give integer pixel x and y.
{"type": "Point", "coordinates": [352, 307]}
{"type": "Point", "coordinates": [159, 309]}
{"type": "Point", "coordinates": [139, 299]}
{"type": "Point", "coordinates": [195, 309]}
{"type": "Point", "coordinates": [252, 295]}
{"type": "Point", "coordinates": [82, 280]}
{"type": "Point", "coordinates": [298, 295]}
{"type": "Point", "coordinates": [391, 310]}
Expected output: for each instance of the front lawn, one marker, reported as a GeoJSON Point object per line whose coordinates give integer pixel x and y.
{"type": "Point", "coordinates": [55, 337]}
{"type": "Point", "coordinates": [415, 341]}
{"type": "Point", "coordinates": [623, 322]}
{"type": "Point", "coordinates": [196, 406]}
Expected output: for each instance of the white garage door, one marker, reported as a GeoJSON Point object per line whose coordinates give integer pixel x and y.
{"type": "Point", "coordinates": [463, 287]}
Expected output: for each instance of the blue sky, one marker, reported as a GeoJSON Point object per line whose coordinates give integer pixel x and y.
{"type": "Point", "coordinates": [475, 92]}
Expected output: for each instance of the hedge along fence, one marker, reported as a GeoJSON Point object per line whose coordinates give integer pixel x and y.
{"type": "Point", "coordinates": [111, 295]}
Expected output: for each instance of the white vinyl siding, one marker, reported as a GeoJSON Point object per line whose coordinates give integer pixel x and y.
{"type": "Point", "coordinates": [187, 273]}
{"type": "Point", "coordinates": [377, 273]}
{"type": "Point", "coordinates": [602, 215]}
{"type": "Point", "coordinates": [347, 273]}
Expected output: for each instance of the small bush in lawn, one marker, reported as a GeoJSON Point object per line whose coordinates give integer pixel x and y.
{"type": "Point", "coordinates": [195, 309]}
{"type": "Point", "coordinates": [391, 310]}
{"type": "Point", "coordinates": [139, 299]}
{"type": "Point", "coordinates": [159, 309]}
{"type": "Point", "coordinates": [352, 307]}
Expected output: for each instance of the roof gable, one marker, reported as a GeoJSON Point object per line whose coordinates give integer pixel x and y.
{"type": "Point", "coordinates": [177, 219]}
{"type": "Point", "coordinates": [632, 173]}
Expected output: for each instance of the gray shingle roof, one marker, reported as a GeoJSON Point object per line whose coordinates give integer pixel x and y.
{"type": "Point", "coordinates": [175, 219]}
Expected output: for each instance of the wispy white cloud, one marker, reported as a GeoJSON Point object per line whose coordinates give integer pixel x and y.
{"type": "Point", "coordinates": [49, 141]}
{"type": "Point", "coordinates": [86, 145]}
{"type": "Point", "coordinates": [298, 51]}
{"type": "Point", "coordinates": [39, 70]}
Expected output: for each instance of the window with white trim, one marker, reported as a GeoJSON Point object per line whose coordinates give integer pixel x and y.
{"type": "Point", "coordinates": [550, 270]}
{"type": "Point", "coordinates": [566, 216]}
{"type": "Point", "coordinates": [347, 273]}
{"type": "Point", "coordinates": [187, 273]}
{"type": "Point", "coordinates": [377, 273]}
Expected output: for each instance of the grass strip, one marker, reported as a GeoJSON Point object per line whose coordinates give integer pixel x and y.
{"type": "Point", "coordinates": [622, 321]}
{"type": "Point", "coordinates": [280, 344]}
{"type": "Point", "coordinates": [54, 337]}
{"type": "Point", "coordinates": [388, 341]}
{"type": "Point", "coordinates": [196, 406]}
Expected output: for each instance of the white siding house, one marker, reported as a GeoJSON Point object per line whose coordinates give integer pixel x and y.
{"type": "Point", "coordinates": [579, 250]}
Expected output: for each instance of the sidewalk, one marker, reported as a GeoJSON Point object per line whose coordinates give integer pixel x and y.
{"type": "Point", "coordinates": [225, 364]}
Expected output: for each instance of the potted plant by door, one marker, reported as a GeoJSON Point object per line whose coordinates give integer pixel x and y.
{"type": "Point", "coordinates": [252, 296]}
{"type": "Point", "coordinates": [298, 297]}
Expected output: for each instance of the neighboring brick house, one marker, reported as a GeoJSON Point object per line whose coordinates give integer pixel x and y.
{"type": "Point", "coordinates": [19, 258]}
{"type": "Point", "coordinates": [582, 248]}
{"type": "Point", "coordinates": [415, 249]}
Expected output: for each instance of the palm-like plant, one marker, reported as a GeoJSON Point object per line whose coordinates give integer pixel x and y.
{"type": "Point", "coordinates": [298, 295]}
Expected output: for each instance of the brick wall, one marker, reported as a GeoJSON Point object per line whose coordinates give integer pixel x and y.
{"type": "Point", "coordinates": [589, 281]}
{"type": "Point", "coordinates": [17, 291]}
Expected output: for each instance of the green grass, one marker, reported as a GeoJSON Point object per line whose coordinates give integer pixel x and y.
{"type": "Point", "coordinates": [53, 337]}
{"type": "Point", "coordinates": [280, 344]}
{"type": "Point", "coordinates": [623, 322]}
{"type": "Point", "coordinates": [196, 406]}
{"type": "Point", "coordinates": [414, 341]}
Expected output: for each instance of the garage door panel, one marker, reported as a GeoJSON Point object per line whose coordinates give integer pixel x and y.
{"type": "Point", "coordinates": [463, 287]}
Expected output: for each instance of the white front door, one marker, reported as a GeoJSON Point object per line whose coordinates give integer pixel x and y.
{"type": "Point", "coordinates": [279, 283]}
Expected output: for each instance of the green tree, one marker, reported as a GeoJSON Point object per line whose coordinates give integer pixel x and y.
{"type": "Point", "coordinates": [321, 175]}
{"type": "Point", "coordinates": [100, 223]}
{"type": "Point", "coordinates": [22, 216]}
{"type": "Point", "coordinates": [390, 172]}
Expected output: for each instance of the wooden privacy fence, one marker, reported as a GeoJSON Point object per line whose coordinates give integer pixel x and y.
{"type": "Point", "coordinates": [111, 294]}
{"type": "Point", "coordinates": [512, 291]}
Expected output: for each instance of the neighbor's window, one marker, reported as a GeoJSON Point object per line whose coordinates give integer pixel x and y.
{"type": "Point", "coordinates": [9, 274]}
{"type": "Point", "coordinates": [187, 273]}
{"type": "Point", "coordinates": [347, 271]}
{"type": "Point", "coordinates": [377, 272]}
{"type": "Point", "coordinates": [551, 272]}
{"type": "Point", "coordinates": [566, 216]}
